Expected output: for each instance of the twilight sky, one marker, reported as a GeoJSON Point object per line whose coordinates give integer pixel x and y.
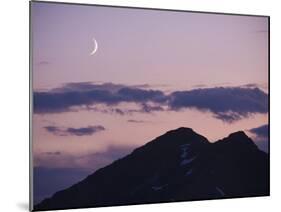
{"type": "Point", "coordinates": [154, 71]}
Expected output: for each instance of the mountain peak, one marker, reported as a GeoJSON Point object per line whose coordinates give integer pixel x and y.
{"type": "Point", "coordinates": [182, 130]}
{"type": "Point", "coordinates": [238, 134]}
{"type": "Point", "coordinates": [238, 138]}
{"type": "Point", "coordinates": [182, 135]}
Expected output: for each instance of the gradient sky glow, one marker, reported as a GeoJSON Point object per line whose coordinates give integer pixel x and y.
{"type": "Point", "coordinates": [147, 49]}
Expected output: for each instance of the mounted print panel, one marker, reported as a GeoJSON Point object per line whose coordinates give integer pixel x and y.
{"type": "Point", "coordinates": [137, 106]}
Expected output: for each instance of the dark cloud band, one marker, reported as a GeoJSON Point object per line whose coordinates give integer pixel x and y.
{"type": "Point", "coordinates": [226, 103]}
{"type": "Point", "coordinates": [86, 94]}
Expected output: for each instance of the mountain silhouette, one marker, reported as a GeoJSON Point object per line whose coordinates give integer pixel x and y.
{"type": "Point", "coordinates": [180, 165]}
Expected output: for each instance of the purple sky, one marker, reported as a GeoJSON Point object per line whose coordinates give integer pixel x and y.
{"type": "Point", "coordinates": [144, 57]}
{"type": "Point", "coordinates": [146, 46]}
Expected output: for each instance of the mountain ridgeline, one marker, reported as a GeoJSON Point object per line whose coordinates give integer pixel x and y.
{"type": "Point", "coordinates": [180, 165]}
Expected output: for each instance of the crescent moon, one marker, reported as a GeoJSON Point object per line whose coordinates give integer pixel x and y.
{"type": "Point", "coordinates": [96, 47]}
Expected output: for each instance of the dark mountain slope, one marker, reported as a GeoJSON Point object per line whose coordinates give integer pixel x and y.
{"type": "Point", "coordinates": [240, 167]}
{"type": "Point", "coordinates": [179, 165]}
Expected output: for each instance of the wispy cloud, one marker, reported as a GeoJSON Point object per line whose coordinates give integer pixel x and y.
{"type": "Point", "coordinates": [52, 153]}
{"type": "Point", "coordinates": [70, 131]}
{"type": "Point", "coordinates": [136, 121]}
{"type": "Point", "coordinates": [43, 63]}
{"type": "Point", "coordinates": [261, 131]}
{"type": "Point", "coordinates": [261, 31]}
{"type": "Point", "coordinates": [230, 116]}
{"type": "Point", "coordinates": [261, 136]}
